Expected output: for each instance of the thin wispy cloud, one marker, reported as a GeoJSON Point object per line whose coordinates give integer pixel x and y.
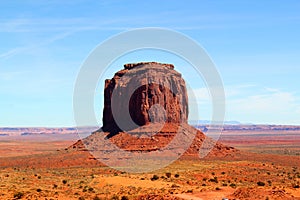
{"type": "Point", "coordinates": [265, 104]}
{"type": "Point", "coordinates": [279, 102]}
{"type": "Point", "coordinates": [12, 52]}
{"type": "Point", "coordinates": [178, 21]}
{"type": "Point", "coordinates": [55, 24]}
{"type": "Point", "coordinates": [254, 103]}
{"type": "Point", "coordinates": [65, 27]}
{"type": "Point", "coordinates": [69, 26]}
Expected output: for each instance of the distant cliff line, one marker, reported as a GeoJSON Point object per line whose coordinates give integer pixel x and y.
{"type": "Point", "coordinates": [23, 131]}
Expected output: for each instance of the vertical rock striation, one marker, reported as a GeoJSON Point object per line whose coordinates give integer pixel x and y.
{"type": "Point", "coordinates": [149, 92]}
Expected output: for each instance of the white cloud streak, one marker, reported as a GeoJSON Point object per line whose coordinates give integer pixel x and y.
{"type": "Point", "coordinates": [12, 52]}
{"type": "Point", "coordinates": [250, 103]}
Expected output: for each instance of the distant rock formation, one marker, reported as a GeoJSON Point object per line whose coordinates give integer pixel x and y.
{"type": "Point", "coordinates": [155, 93]}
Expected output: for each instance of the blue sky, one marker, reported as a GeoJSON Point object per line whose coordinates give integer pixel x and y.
{"type": "Point", "coordinates": [255, 46]}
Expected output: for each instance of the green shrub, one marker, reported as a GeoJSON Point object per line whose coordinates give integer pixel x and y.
{"type": "Point", "coordinates": [214, 180]}
{"type": "Point", "coordinates": [176, 175]}
{"type": "Point", "coordinates": [232, 185]}
{"type": "Point", "coordinates": [124, 198]}
{"type": "Point", "coordinates": [18, 195]}
{"type": "Point", "coordinates": [64, 181]}
{"type": "Point", "coordinates": [114, 197]}
{"type": "Point", "coordinates": [154, 177]}
{"type": "Point", "coordinates": [269, 182]}
{"type": "Point", "coordinates": [168, 174]}
{"type": "Point", "coordinates": [96, 198]}
{"type": "Point", "coordinates": [259, 183]}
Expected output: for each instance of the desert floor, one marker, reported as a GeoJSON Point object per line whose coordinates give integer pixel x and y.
{"type": "Point", "coordinates": [267, 167]}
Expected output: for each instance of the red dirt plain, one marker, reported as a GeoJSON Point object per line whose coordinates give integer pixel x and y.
{"type": "Point", "coordinates": [43, 168]}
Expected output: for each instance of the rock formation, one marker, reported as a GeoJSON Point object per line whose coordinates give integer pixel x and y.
{"type": "Point", "coordinates": [149, 91]}
{"type": "Point", "coordinates": [145, 118]}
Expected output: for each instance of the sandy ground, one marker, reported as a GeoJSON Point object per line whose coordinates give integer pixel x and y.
{"type": "Point", "coordinates": [43, 169]}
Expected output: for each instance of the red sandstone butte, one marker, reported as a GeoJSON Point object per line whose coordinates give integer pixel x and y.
{"type": "Point", "coordinates": [156, 93]}
{"type": "Point", "coordinates": [155, 97]}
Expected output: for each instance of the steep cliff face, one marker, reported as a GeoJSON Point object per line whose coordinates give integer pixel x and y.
{"type": "Point", "coordinates": [144, 93]}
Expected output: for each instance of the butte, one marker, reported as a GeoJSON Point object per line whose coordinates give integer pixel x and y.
{"type": "Point", "coordinates": [146, 113]}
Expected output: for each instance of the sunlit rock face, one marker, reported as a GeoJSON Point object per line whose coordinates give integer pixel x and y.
{"type": "Point", "coordinates": [148, 92]}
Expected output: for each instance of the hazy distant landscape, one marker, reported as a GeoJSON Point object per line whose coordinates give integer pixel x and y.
{"type": "Point", "coordinates": [276, 139]}
{"type": "Point", "coordinates": [26, 131]}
